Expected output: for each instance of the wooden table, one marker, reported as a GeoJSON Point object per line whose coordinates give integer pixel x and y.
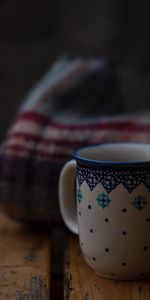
{"type": "Point", "coordinates": [32, 268]}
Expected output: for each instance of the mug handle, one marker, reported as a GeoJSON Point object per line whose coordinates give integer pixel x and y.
{"type": "Point", "coordinates": [67, 198]}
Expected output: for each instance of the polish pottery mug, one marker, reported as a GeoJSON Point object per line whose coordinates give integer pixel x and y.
{"type": "Point", "coordinates": [110, 207]}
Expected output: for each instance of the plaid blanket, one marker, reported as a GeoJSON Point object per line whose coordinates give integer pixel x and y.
{"type": "Point", "coordinates": [61, 113]}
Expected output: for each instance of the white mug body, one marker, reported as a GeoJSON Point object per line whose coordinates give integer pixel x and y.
{"type": "Point", "coordinates": [113, 209]}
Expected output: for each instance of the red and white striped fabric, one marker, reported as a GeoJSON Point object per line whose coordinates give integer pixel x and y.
{"type": "Point", "coordinates": [45, 132]}
{"type": "Point", "coordinates": [47, 139]}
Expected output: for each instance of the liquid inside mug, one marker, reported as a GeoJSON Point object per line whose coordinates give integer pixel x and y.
{"type": "Point", "coordinates": [109, 207]}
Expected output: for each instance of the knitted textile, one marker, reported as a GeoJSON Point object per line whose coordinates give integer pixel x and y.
{"type": "Point", "coordinates": [61, 113]}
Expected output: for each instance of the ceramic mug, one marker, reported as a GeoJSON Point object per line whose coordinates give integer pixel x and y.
{"type": "Point", "coordinates": [110, 207]}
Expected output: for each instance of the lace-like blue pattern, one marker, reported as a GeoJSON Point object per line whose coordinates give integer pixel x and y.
{"type": "Point", "coordinates": [110, 179]}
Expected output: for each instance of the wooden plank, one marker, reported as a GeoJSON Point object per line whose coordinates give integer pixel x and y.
{"type": "Point", "coordinates": [24, 262]}
{"type": "Point", "coordinates": [81, 283]}
{"type": "Point", "coordinates": [58, 243]}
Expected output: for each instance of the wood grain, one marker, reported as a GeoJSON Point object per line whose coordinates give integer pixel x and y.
{"type": "Point", "coordinates": [81, 283]}
{"type": "Point", "coordinates": [24, 262]}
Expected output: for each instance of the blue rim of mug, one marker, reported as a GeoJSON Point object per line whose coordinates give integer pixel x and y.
{"type": "Point", "coordinates": [107, 163]}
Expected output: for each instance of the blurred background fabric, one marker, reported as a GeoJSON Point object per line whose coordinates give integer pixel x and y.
{"type": "Point", "coordinates": [33, 34]}
{"type": "Point", "coordinates": [75, 104]}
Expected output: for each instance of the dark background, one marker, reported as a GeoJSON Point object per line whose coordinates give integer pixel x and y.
{"type": "Point", "coordinates": [34, 33]}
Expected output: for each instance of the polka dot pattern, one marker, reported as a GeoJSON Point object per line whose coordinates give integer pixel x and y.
{"type": "Point", "coordinates": [106, 250]}
{"type": "Point", "coordinates": [124, 232]}
{"type": "Point", "coordinates": [102, 209]}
